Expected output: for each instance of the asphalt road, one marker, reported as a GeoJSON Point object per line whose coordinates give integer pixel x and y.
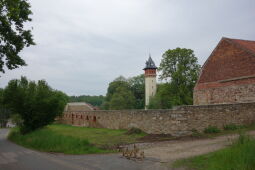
{"type": "Point", "coordinates": [14, 157]}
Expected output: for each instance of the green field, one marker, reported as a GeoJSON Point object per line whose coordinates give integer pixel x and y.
{"type": "Point", "coordinates": [73, 140]}
{"type": "Point", "coordinates": [239, 156]}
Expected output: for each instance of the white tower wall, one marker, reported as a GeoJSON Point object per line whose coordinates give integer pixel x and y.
{"type": "Point", "coordinates": [150, 88]}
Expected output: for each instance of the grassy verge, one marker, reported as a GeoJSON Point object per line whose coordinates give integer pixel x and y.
{"type": "Point", "coordinates": [239, 156]}
{"type": "Point", "coordinates": [233, 129]}
{"type": "Point", "coordinates": [73, 140]}
{"type": "Point", "coordinates": [104, 138]}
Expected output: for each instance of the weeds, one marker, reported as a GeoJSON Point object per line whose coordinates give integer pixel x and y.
{"type": "Point", "coordinates": [212, 129]}
{"type": "Point", "coordinates": [233, 127]}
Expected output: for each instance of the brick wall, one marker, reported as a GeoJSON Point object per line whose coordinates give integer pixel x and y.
{"type": "Point", "coordinates": [178, 122]}
{"type": "Point", "coordinates": [228, 76]}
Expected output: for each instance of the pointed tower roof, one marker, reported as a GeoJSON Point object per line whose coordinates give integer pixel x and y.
{"type": "Point", "coordinates": [150, 64]}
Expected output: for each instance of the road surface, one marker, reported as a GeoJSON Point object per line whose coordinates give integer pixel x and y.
{"type": "Point", "coordinates": [14, 157]}
{"type": "Point", "coordinates": [159, 155]}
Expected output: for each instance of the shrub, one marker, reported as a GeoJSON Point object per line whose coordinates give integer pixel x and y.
{"type": "Point", "coordinates": [232, 127]}
{"type": "Point", "coordinates": [212, 129]}
{"type": "Point", "coordinates": [36, 103]}
{"type": "Point", "coordinates": [134, 130]}
{"type": "Point", "coordinates": [16, 119]}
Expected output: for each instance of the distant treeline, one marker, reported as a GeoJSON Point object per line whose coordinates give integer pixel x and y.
{"type": "Point", "coordinates": [93, 100]}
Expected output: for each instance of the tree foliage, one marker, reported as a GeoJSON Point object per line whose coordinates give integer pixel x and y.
{"type": "Point", "coordinates": [163, 98]}
{"type": "Point", "coordinates": [122, 99]}
{"type": "Point", "coordinates": [36, 102]}
{"type": "Point", "coordinates": [13, 36]}
{"type": "Point", "coordinates": [180, 68]}
{"type": "Point", "coordinates": [137, 86]}
{"type": "Point", "coordinates": [125, 93]}
{"type": "Point", "coordinates": [4, 112]}
{"type": "Point", "coordinates": [119, 85]}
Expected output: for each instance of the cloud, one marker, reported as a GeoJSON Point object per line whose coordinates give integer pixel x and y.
{"type": "Point", "coordinates": [82, 45]}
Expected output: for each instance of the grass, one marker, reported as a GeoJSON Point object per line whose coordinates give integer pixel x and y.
{"type": "Point", "coordinates": [228, 129]}
{"type": "Point", "coordinates": [233, 127]}
{"type": "Point", "coordinates": [81, 140]}
{"type": "Point", "coordinates": [239, 156]}
{"type": "Point", "coordinates": [73, 140]}
{"type": "Point", "coordinates": [212, 129]}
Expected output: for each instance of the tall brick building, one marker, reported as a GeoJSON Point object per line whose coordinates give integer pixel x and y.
{"type": "Point", "coordinates": [228, 75]}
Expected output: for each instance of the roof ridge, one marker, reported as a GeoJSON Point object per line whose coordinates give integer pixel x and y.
{"type": "Point", "coordinates": [237, 39]}
{"type": "Point", "coordinates": [232, 41]}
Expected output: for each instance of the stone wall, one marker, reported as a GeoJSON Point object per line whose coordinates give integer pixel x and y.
{"type": "Point", "coordinates": [177, 122]}
{"type": "Point", "coordinates": [225, 94]}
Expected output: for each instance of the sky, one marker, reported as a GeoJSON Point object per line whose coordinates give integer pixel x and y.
{"type": "Point", "coordinates": [82, 45]}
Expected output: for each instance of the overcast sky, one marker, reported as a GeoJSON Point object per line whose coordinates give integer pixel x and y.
{"type": "Point", "coordinates": [82, 45]}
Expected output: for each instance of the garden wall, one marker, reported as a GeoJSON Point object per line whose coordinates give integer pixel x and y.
{"type": "Point", "coordinates": [179, 121]}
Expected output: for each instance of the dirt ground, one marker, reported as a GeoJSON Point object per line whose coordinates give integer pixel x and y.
{"type": "Point", "coordinates": [169, 151]}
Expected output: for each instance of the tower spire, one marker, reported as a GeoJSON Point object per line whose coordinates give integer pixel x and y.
{"type": "Point", "coordinates": [149, 64]}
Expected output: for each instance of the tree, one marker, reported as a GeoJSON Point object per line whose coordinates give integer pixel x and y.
{"type": "Point", "coordinates": [1, 95]}
{"type": "Point", "coordinates": [132, 87]}
{"type": "Point", "coordinates": [180, 69]}
{"type": "Point", "coordinates": [137, 86]}
{"type": "Point", "coordinates": [163, 98]}
{"type": "Point", "coordinates": [112, 89]}
{"type": "Point", "coordinates": [36, 103]}
{"type": "Point", "coordinates": [4, 113]}
{"type": "Point", "coordinates": [120, 87]}
{"type": "Point", "coordinates": [13, 36]}
{"type": "Point", "coordinates": [123, 98]}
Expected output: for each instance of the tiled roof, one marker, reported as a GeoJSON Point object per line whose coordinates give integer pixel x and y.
{"type": "Point", "coordinates": [232, 59]}
{"type": "Point", "coordinates": [246, 44]}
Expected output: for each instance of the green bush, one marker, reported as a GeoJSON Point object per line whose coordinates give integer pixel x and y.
{"type": "Point", "coordinates": [16, 119]}
{"type": "Point", "coordinates": [232, 127]}
{"type": "Point", "coordinates": [212, 129]}
{"type": "Point", "coordinates": [36, 102]}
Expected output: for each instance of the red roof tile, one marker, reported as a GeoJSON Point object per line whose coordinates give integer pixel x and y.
{"type": "Point", "coordinates": [247, 44]}
{"type": "Point", "coordinates": [231, 59]}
